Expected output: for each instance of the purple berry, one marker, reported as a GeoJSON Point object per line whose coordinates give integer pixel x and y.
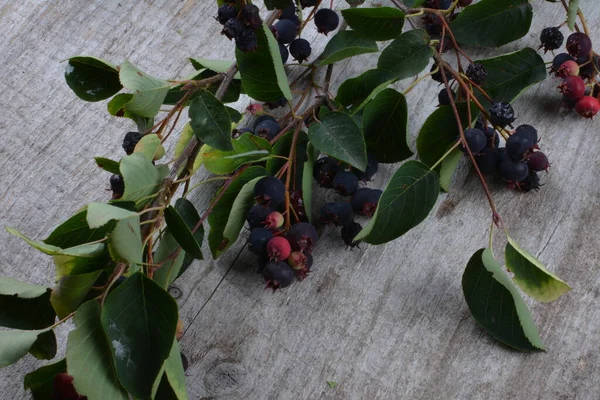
{"type": "Point", "coordinates": [232, 28]}
{"type": "Point", "coordinates": [365, 200]}
{"type": "Point", "coordinates": [257, 215]}
{"type": "Point", "coordinates": [476, 73]}
{"type": "Point", "coordinates": [117, 185]}
{"type": "Point", "coordinates": [285, 31]}
{"type": "Point", "coordinates": [579, 44]}
{"type": "Point", "coordinates": [269, 191]}
{"type": "Point", "coordinates": [267, 129]}
{"type": "Point", "coordinates": [278, 275]}
{"type": "Point", "coordinates": [345, 183]}
{"type": "Point", "coordinates": [476, 140]}
{"type": "Point", "coordinates": [502, 114]}
{"type": "Point", "coordinates": [538, 162]}
{"type": "Point", "coordinates": [517, 146]}
{"type": "Point", "coordinates": [513, 171]}
{"type": "Point", "coordinates": [300, 49]}
{"type": "Point", "coordinates": [130, 141]}
{"type": "Point", "coordinates": [340, 214]}
{"type": "Point", "coordinates": [246, 41]}
{"type": "Point", "coordinates": [528, 132]}
{"type": "Point", "coordinates": [250, 16]}
{"type": "Point", "coordinates": [326, 20]}
{"type": "Point", "coordinates": [488, 160]}
{"type": "Point", "coordinates": [325, 170]}
{"type": "Point", "coordinates": [259, 237]}
{"type": "Point", "coordinates": [551, 38]}
{"type": "Point", "coordinates": [288, 12]}
{"type": "Point", "coordinates": [302, 236]}
{"type": "Point", "coordinates": [531, 182]}
{"type": "Point", "coordinates": [225, 13]}
{"type": "Point", "coordinates": [349, 233]}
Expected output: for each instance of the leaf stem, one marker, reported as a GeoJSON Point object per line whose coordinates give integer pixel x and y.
{"type": "Point", "coordinates": [450, 150]}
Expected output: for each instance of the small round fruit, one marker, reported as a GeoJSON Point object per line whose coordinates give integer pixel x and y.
{"type": "Point", "coordinates": [225, 13]}
{"type": "Point", "coordinates": [250, 16]}
{"type": "Point", "coordinates": [531, 182]}
{"type": "Point", "coordinates": [345, 183]}
{"type": "Point", "coordinates": [587, 106]}
{"type": "Point", "coordinates": [233, 28]}
{"type": "Point", "coordinates": [261, 119]}
{"type": "Point", "coordinates": [370, 170]}
{"type": "Point", "coordinates": [568, 68]}
{"type": "Point", "coordinates": [349, 233]}
{"type": "Point", "coordinates": [579, 44]}
{"type": "Point", "coordinates": [269, 191]}
{"type": "Point", "coordinates": [559, 60]}
{"type": "Point", "coordinates": [117, 185]}
{"type": "Point", "coordinates": [326, 20]}
{"type": "Point", "coordinates": [517, 146]}
{"type": "Point", "coordinates": [476, 73]}
{"type": "Point", "coordinates": [285, 54]}
{"type": "Point", "coordinates": [572, 87]}
{"type": "Point", "coordinates": [502, 114]}
{"type": "Point", "coordinates": [300, 49]}
{"type": "Point", "coordinates": [274, 220]}
{"type": "Point", "coordinates": [325, 170]}
{"type": "Point", "coordinates": [538, 162]}
{"type": "Point", "coordinates": [437, 76]}
{"type": "Point", "coordinates": [285, 31]}
{"type": "Point", "coordinates": [551, 38]}
{"type": "Point", "coordinates": [302, 236]}
{"type": "Point", "coordinates": [443, 98]}
{"type": "Point", "coordinates": [339, 214]}
{"type": "Point", "coordinates": [259, 237]}
{"type": "Point", "coordinates": [487, 161]}
{"type": "Point", "coordinates": [267, 129]}
{"type": "Point", "coordinates": [278, 275]}
{"type": "Point", "coordinates": [278, 248]}
{"type": "Point", "coordinates": [365, 200]}
{"type": "Point", "coordinates": [300, 263]}
{"type": "Point", "coordinates": [130, 140]}
{"type": "Point", "coordinates": [439, 4]}
{"type": "Point", "coordinates": [528, 132]}
{"type": "Point", "coordinates": [257, 215]}
{"type": "Point", "coordinates": [513, 171]}
{"type": "Point", "coordinates": [288, 12]}
{"type": "Point", "coordinates": [476, 140]}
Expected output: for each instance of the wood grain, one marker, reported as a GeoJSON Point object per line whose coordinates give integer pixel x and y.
{"type": "Point", "coordinates": [383, 322]}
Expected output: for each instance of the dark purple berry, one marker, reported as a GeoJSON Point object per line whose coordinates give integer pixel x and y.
{"type": "Point", "coordinates": [349, 233]}
{"type": "Point", "coordinates": [439, 4]}
{"type": "Point", "coordinates": [326, 20]}
{"type": "Point", "coordinates": [443, 98]}
{"type": "Point", "coordinates": [587, 68]}
{"type": "Point", "coordinates": [276, 104]}
{"type": "Point", "coordinates": [288, 12]}
{"type": "Point", "coordinates": [300, 49]}
{"type": "Point", "coordinates": [259, 237]}
{"type": "Point", "coordinates": [225, 13]}
{"type": "Point", "coordinates": [502, 114]}
{"type": "Point", "coordinates": [285, 54]}
{"type": "Point", "coordinates": [278, 274]}
{"type": "Point", "coordinates": [232, 28]}
{"type": "Point", "coordinates": [345, 183]}
{"type": "Point", "coordinates": [437, 76]}
{"type": "Point", "coordinates": [130, 141]}
{"type": "Point", "coordinates": [117, 185]}
{"type": "Point", "coordinates": [528, 132]}
{"type": "Point", "coordinates": [257, 215]}
{"type": "Point", "coordinates": [579, 44]}
{"type": "Point", "coordinates": [250, 16]}
{"type": "Point", "coordinates": [559, 60]}
{"type": "Point", "coordinates": [325, 170]}
{"type": "Point", "coordinates": [267, 129]}
{"type": "Point", "coordinates": [538, 162]}
{"type": "Point", "coordinates": [434, 28]}
{"type": "Point", "coordinates": [246, 41]}
{"type": "Point", "coordinates": [302, 236]}
{"type": "Point", "coordinates": [531, 182]}
{"type": "Point", "coordinates": [513, 171]}
{"type": "Point", "coordinates": [370, 170]}
{"type": "Point", "coordinates": [551, 38]}
{"type": "Point", "coordinates": [365, 200]}
{"type": "Point", "coordinates": [261, 119]}
{"type": "Point", "coordinates": [269, 191]}
{"type": "Point", "coordinates": [339, 214]}
{"type": "Point", "coordinates": [476, 140]}
{"type": "Point", "coordinates": [517, 146]}
{"type": "Point", "coordinates": [285, 31]}
{"type": "Point", "coordinates": [476, 73]}
{"type": "Point", "coordinates": [464, 3]}
{"type": "Point", "coordinates": [488, 160]}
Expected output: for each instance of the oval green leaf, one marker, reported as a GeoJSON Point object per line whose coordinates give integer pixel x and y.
{"type": "Point", "coordinates": [24, 306]}
{"type": "Point", "coordinates": [496, 304]}
{"type": "Point", "coordinates": [248, 148]}
{"type": "Point", "coordinates": [405, 203]}
{"type": "Point", "coordinates": [148, 92]}
{"type": "Point", "coordinates": [92, 79]}
{"type": "Point", "coordinates": [407, 55]}
{"type": "Point", "coordinates": [210, 121]}
{"type": "Point", "coordinates": [346, 44]}
{"type": "Point", "coordinates": [356, 92]}
{"type": "Point", "coordinates": [181, 219]}
{"type": "Point", "coordinates": [493, 23]}
{"type": "Point", "coordinates": [70, 291]}
{"type": "Point", "coordinates": [379, 23]}
{"type": "Point", "coordinates": [41, 381]}
{"type": "Point", "coordinates": [142, 178]}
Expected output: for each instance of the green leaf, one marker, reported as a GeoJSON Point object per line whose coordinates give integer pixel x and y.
{"type": "Point", "coordinates": [24, 306]}
{"type": "Point", "coordinates": [75, 231]}
{"type": "Point", "coordinates": [92, 79]}
{"type": "Point", "coordinates": [210, 121]}
{"type": "Point", "coordinates": [234, 114]}
{"type": "Point", "coordinates": [125, 241]}
{"type": "Point", "coordinates": [407, 55]}
{"type": "Point", "coordinates": [448, 167]}
{"type": "Point", "coordinates": [141, 177]}
{"type": "Point", "coordinates": [100, 214]}
{"type": "Point", "coordinates": [89, 360]}
{"type": "Point", "coordinates": [169, 271]}
{"type": "Point", "coordinates": [493, 23]}
{"type": "Point", "coordinates": [45, 347]}
{"type": "Point", "coordinates": [248, 148]}
{"type": "Point", "coordinates": [380, 23]}
{"type": "Point", "coordinates": [531, 275]}
{"type": "Point", "coordinates": [346, 44]}
{"type": "Point", "coordinates": [237, 216]}
{"type": "Point", "coordinates": [108, 165]}
{"type": "Point", "coordinates": [14, 344]}
{"type": "Point", "coordinates": [338, 136]}
{"type": "Point", "coordinates": [117, 106]}
{"type": "Point", "coordinates": [88, 249]}
{"type": "Point", "coordinates": [41, 381]}
{"type": "Point", "coordinates": [70, 291]}
{"type": "Point", "coordinates": [181, 219]}
{"type": "Point", "coordinates": [262, 68]}
{"type": "Point", "coordinates": [357, 92]}
{"type": "Point", "coordinates": [184, 138]}
{"type": "Point", "coordinates": [511, 74]}
{"type": "Point", "coordinates": [150, 147]}
{"type": "Point", "coordinates": [405, 203]}
{"type": "Point", "coordinates": [385, 126]}
{"type": "Point", "coordinates": [572, 13]}
{"type": "Point", "coordinates": [148, 92]}
{"type": "Point", "coordinates": [220, 215]}
{"type": "Point", "coordinates": [440, 132]}
{"type": "Point", "coordinates": [175, 373]}
{"type": "Point", "coordinates": [496, 304]}
{"type": "Point", "coordinates": [218, 66]}
{"type": "Point", "coordinates": [307, 179]}
{"type": "Point", "coordinates": [139, 318]}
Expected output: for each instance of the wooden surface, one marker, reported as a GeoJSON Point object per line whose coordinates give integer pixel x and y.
{"type": "Point", "coordinates": [383, 322]}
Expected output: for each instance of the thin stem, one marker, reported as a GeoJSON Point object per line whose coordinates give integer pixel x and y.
{"type": "Point", "coordinates": [289, 174]}
{"type": "Point", "coordinates": [216, 178]}
{"type": "Point", "coordinates": [121, 270]}
{"type": "Point", "coordinates": [446, 154]}
{"type": "Point", "coordinates": [412, 85]}
{"type": "Point", "coordinates": [61, 321]}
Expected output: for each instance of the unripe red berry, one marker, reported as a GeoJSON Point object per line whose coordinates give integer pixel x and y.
{"type": "Point", "coordinates": [538, 162]}
{"type": "Point", "coordinates": [573, 87]}
{"type": "Point", "coordinates": [568, 68]}
{"type": "Point", "coordinates": [587, 106]}
{"type": "Point", "coordinates": [278, 248]}
{"type": "Point", "coordinates": [274, 220]}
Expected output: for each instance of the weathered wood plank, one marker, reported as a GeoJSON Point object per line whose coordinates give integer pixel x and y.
{"type": "Point", "coordinates": [383, 322]}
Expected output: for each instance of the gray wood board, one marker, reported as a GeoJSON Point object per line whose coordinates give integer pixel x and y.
{"type": "Point", "coordinates": [382, 322]}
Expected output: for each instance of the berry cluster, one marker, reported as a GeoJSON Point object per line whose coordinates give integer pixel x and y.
{"type": "Point", "coordinates": [578, 65]}
{"type": "Point", "coordinates": [519, 162]}
{"type": "Point", "coordinates": [282, 256]}
{"type": "Point", "coordinates": [331, 173]}
{"type": "Point", "coordinates": [240, 25]}
{"type": "Point", "coordinates": [117, 185]}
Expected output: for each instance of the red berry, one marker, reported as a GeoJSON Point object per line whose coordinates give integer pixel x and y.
{"type": "Point", "coordinates": [587, 106]}
{"type": "Point", "coordinates": [274, 220]}
{"type": "Point", "coordinates": [278, 248]}
{"type": "Point", "coordinates": [579, 44]}
{"type": "Point", "coordinates": [301, 263]}
{"type": "Point", "coordinates": [573, 87]}
{"type": "Point", "coordinates": [63, 389]}
{"type": "Point", "coordinates": [538, 162]}
{"type": "Point", "coordinates": [568, 68]}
